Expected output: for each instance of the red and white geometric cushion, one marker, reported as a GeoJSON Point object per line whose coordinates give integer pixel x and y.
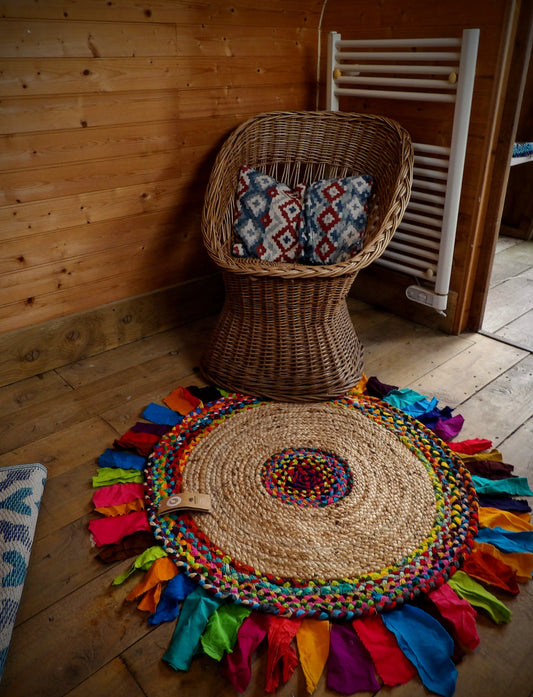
{"type": "Point", "coordinates": [323, 223]}
{"type": "Point", "coordinates": [268, 218]}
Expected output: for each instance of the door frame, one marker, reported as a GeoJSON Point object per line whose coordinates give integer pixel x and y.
{"type": "Point", "coordinates": [516, 61]}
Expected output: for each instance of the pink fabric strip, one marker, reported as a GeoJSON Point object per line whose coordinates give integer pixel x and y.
{"type": "Point", "coordinates": [117, 494]}
{"type": "Point", "coordinates": [237, 665]}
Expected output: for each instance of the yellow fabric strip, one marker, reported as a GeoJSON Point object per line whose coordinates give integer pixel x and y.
{"type": "Point", "coordinates": [312, 640]}
{"type": "Point", "coordinates": [491, 455]}
{"type": "Point", "coordinates": [496, 518]}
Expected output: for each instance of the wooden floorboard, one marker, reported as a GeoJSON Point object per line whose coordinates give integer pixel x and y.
{"type": "Point", "coordinates": [509, 307]}
{"type": "Point", "coordinates": [478, 365]}
{"type": "Point", "coordinates": [501, 405]}
{"type": "Point", "coordinates": [519, 331]}
{"type": "Point", "coordinates": [75, 634]}
{"type": "Point", "coordinates": [113, 679]}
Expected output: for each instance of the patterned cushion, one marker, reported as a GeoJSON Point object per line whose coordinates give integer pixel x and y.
{"type": "Point", "coordinates": [268, 218]}
{"type": "Point", "coordinates": [335, 214]}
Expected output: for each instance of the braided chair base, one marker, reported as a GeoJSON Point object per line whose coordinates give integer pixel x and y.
{"type": "Point", "coordinates": [285, 339]}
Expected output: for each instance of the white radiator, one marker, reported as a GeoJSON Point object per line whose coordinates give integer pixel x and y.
{"type": "Point", "coordinates": [436, 70]}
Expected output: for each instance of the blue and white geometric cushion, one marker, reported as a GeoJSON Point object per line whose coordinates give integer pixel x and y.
{"type": "Point", "coordinates": [336, 212]}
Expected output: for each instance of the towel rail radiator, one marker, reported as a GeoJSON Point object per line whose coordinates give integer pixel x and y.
{"type": "Point", "coordinates": [438, 70]}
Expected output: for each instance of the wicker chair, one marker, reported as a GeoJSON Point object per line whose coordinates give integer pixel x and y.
{"type": "Point", "coordinates": [285, 332]}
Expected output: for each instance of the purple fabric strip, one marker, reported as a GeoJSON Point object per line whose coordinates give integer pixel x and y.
{"type": "Point", "coordinates": [449, 428]}
{"type": "Point", "coordinates": [375, 388]}
{"type": "Point", "coordinates": [505, 504]}
{"type": "Point", "coordinates": [350, 668]}
{"type": "Point", "coordinates": [154, 429]}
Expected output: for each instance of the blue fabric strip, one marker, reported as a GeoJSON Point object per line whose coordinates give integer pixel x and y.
{"type": "Point", "coordinates": [125, 460]}
{"type": "Point", "coordinates": [427, 645]}
{"type": "Point", "coordinates": [411, 402]}
{"type": "Point", "coordinates": [168, 608]}
{"type": "Point", "coordinates": [161, 415]}
{"type": "Point", "coordinates": [514, 486]}
{"type": "Point", "coordinates": [506, 540]}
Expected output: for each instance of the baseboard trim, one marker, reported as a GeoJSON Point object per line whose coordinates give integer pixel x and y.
{"type": "Point", "coordinates": [33, 350]}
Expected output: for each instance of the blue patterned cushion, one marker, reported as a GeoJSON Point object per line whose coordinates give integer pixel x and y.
{"type": "Point", "coordinates": [268, 218]}
{"type": "Point", "coordinates": [335, 213]}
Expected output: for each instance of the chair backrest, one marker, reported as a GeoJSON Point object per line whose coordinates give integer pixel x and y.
{"type": "Point", "coordinates": [298, 147]}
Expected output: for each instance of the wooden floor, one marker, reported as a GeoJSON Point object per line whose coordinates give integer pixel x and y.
{"type": "Point", "coordinates": [76, 637]}
{"type": "Point", "coordinates": [509, 309]}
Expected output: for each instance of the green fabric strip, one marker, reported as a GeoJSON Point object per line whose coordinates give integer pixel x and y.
{"type": "Point", "coordinates": [143, 562]}
{"type": "Point", "coordinates": [471, 590]}
{"type": "Point", "coordinates": [221, 631]}
{"type": "Point", "coordinates": [116, 475]}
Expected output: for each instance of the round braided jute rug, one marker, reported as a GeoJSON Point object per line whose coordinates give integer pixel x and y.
{"type": "Point", "coordinates": [331, 510]}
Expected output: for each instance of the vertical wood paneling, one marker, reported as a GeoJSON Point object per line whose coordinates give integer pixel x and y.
{"type": "Point", "coordinates": [110, 117]}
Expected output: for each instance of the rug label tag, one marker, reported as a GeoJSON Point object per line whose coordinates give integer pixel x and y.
{"type": "Point", "coordinates": [185, 501]}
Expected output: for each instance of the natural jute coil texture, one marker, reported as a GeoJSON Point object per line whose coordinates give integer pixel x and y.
{"type": "Point", "coordinates": [331, 509]}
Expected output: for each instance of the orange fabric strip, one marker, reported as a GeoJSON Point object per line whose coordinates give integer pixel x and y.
{"type": "Point", "coordinates": [121, 508]}
{"type": "Point", "coordinates": [312, 640]}
{"type": "Point", "coordinates": [163, 569]}
{"type": "Point", "coordinates": [150, 599]}
{"type": "Point", "coordinates": [182, 401]}
{"type": "Point", "coordinates": [521, 562]}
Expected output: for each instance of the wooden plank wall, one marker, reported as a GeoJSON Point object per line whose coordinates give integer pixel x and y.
{"type": "Point", "coordinates": [110, 116]}
{"type": "Point", "coordinates": [432, 18]}
{"type": "Point", "coordinates": [111, 112]}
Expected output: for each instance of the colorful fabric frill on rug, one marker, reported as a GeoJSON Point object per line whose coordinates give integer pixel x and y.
{"type": "Point", "coordinates": [369, 622]}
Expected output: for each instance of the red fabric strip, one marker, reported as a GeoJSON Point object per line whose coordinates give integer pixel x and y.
{"type": "Point", "coordinates": [459, 612]}
{"type": "Point", "coordinates": [107, 531]}
{"type": "Point", "coordinates": [485, 567]}
{"type": "Point", "coordinates": [393, 667]}
{"type": "Point", "coordinates": [141, 443]}
{"type": "Point", "coordinates": [475, 445]}
{"type": "Point", "coordinates": [281, 657]}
